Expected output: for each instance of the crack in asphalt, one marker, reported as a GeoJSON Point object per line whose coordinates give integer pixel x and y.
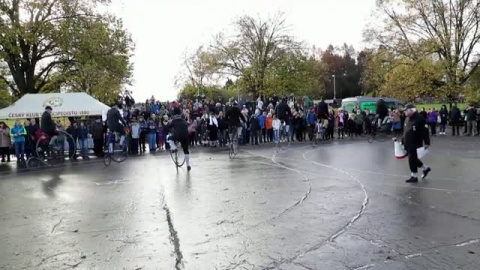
{"type": "Point", "coordinates": [50, 257]}
{"type": "Point", "coordinates": [56, 225]}
{"type": "Point", "coordinates": [174, 239]}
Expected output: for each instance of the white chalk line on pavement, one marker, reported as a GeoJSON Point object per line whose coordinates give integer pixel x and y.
{"type": "Point", "coordinates": [398, 175]}
{"type": "Point", "coordinates": [362, 208]}
{"type": "Point", "coordinates": [404, 257]}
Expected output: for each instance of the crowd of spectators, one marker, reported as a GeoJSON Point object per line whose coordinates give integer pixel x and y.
{"type": "Point", "coordinates": [147, 125]}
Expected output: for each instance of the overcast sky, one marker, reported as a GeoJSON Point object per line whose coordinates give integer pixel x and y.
{"type": "Point", "coordinates": [163, 30]}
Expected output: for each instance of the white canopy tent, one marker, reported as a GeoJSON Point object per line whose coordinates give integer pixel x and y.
{"type": "Point", "coordinates": [63, 105]}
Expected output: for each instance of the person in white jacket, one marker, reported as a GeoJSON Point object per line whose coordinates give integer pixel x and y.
{"type": "Point", "coordinates": [277, 124]}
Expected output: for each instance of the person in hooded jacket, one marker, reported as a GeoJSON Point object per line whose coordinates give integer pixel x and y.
{"type": "Point", "coordinates": [432, 121]}
{"type": "Point", "coordinates": [415, 136]}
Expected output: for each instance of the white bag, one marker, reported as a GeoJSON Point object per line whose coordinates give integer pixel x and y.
{"type": "Point", "coordinates": [400, 152]}
{"type": "Point", "coordinates": [421, 152]}
{"type": "Point", "coordinates": [439, 119]}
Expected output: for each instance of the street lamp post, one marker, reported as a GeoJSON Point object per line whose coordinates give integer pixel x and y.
{"type": "Point", "coordinates": [334, 88]}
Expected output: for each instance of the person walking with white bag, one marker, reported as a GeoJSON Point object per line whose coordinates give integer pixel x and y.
{"type": "Point", "coordinates": [415, 136]}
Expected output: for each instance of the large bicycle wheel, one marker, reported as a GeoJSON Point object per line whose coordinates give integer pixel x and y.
{"type": "Point", "coordinates": [63, 146]}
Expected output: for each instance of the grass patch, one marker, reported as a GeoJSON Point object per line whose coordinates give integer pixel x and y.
{"type": "Point", "coordinates": [438, 106]}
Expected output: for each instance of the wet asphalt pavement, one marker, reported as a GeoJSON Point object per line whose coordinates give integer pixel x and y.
{"type": "Point", "coordinates": [343, 205]}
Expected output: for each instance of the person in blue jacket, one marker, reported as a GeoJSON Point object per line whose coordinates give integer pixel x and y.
{"type": "Point", "coordinates": [311, 121]}
{"type": "Point", "coordinates": [262, 119]}
{"type": "Point", "coordinates": [18, 134]}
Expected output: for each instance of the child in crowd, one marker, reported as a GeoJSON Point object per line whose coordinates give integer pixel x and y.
{"type": "Point", "coordinates": [320, 129]}
{"type": "Point", "coordinates": [276, 126]}
{"type": "Point", "coordinates": [269, 127]}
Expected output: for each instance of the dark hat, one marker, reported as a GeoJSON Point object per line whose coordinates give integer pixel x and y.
{"type": "Point", "coordinates": [410, 106]}
{"type": "Point", "coordinates": [48, 108]}
{"type": "Point", "coordinates": [177, 111]}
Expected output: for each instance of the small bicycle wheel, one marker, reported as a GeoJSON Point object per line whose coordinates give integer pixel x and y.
{"type": "Point", "coordinates": [174, 156]}
{"type": "Point", "coordinates": [180, 157]}
{"type": "Point", "coordinates": [371, 138]}
{"type": "Point", "coordinates": [34, 163]}
{"type": "Point", "coordinates": [231, 151]}
{"type": "Point", "coordinates": [119, 153]}
{"type": "Point", "coordinates": [107, 160]}
{"type": "Point", "coordinates": [381, 137]}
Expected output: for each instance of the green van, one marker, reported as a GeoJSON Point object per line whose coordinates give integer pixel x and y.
{"type": "Point", "coordinates": [368, 103]}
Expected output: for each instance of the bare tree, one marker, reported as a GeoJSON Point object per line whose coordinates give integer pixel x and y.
{"type": "Point", "coordinates": [253, 49]}
{"type": "Point", "coordinates": [448, 29]}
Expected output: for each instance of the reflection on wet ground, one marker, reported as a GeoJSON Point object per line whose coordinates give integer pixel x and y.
{"type": "Point", "coordinates": [336, 206]}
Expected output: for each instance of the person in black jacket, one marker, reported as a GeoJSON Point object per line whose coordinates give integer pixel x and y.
{"type": "Point", "coordinates": [382, 111]}
{"type": "Point", "coordinates": [322, 110]}
{"type": "Point", "coordinates": [233, 118]}
{"type": "Point", "coordinates": [73, 131]}
{"type": "Point", "coordinates": [283, 112]}
{"type": "Point", "coordinates": [444, 119]}
{"type": "Point", "coordinates": [455, 117]}
{"type": "Point", "coordinates": [178, 129]}
{"type": "Point", "coordinates": [254, 129]}
{"type": "Point", "coordinates": [48, 126]}
{"type": "Point", "coordinates": [98, 130]}
{"type": "Point", "coordinates": [415, 135]}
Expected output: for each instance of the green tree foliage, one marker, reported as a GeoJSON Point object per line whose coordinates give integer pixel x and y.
{"type": "Point", "coordinates": [211, 92]}
{"type": "Point", "coordinates": [384, 74]}
{"type": "Point", "coordinates": [342, 63]}
{"type": "Point", "coordinates": [421, 29]}
{"type": "Point", "coordinates": [52, 45]}
{"type": "Point", "coordinates": [5, 97]}
{"type": "Point", "coordinates": [473, 88]}
{"type": "Point", "coordinates": [298, 74]}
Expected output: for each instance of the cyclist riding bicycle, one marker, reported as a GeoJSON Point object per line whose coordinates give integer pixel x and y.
{"type": "Point", "coordinates": [234, 117]}
{"type": "Point", "coordinates": [116, 123]}
{"type": "Point", "coordinates": [48, 127]}
{"type": "Point", "coordinates": [179, 133]}
{"type": "Point", "coordinates": [283, 113]}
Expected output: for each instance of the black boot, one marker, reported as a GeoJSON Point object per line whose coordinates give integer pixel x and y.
{"type": "Point", "coordinates": [426, 172]}
{"type": "Point", "coordinates": [412, 180]}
